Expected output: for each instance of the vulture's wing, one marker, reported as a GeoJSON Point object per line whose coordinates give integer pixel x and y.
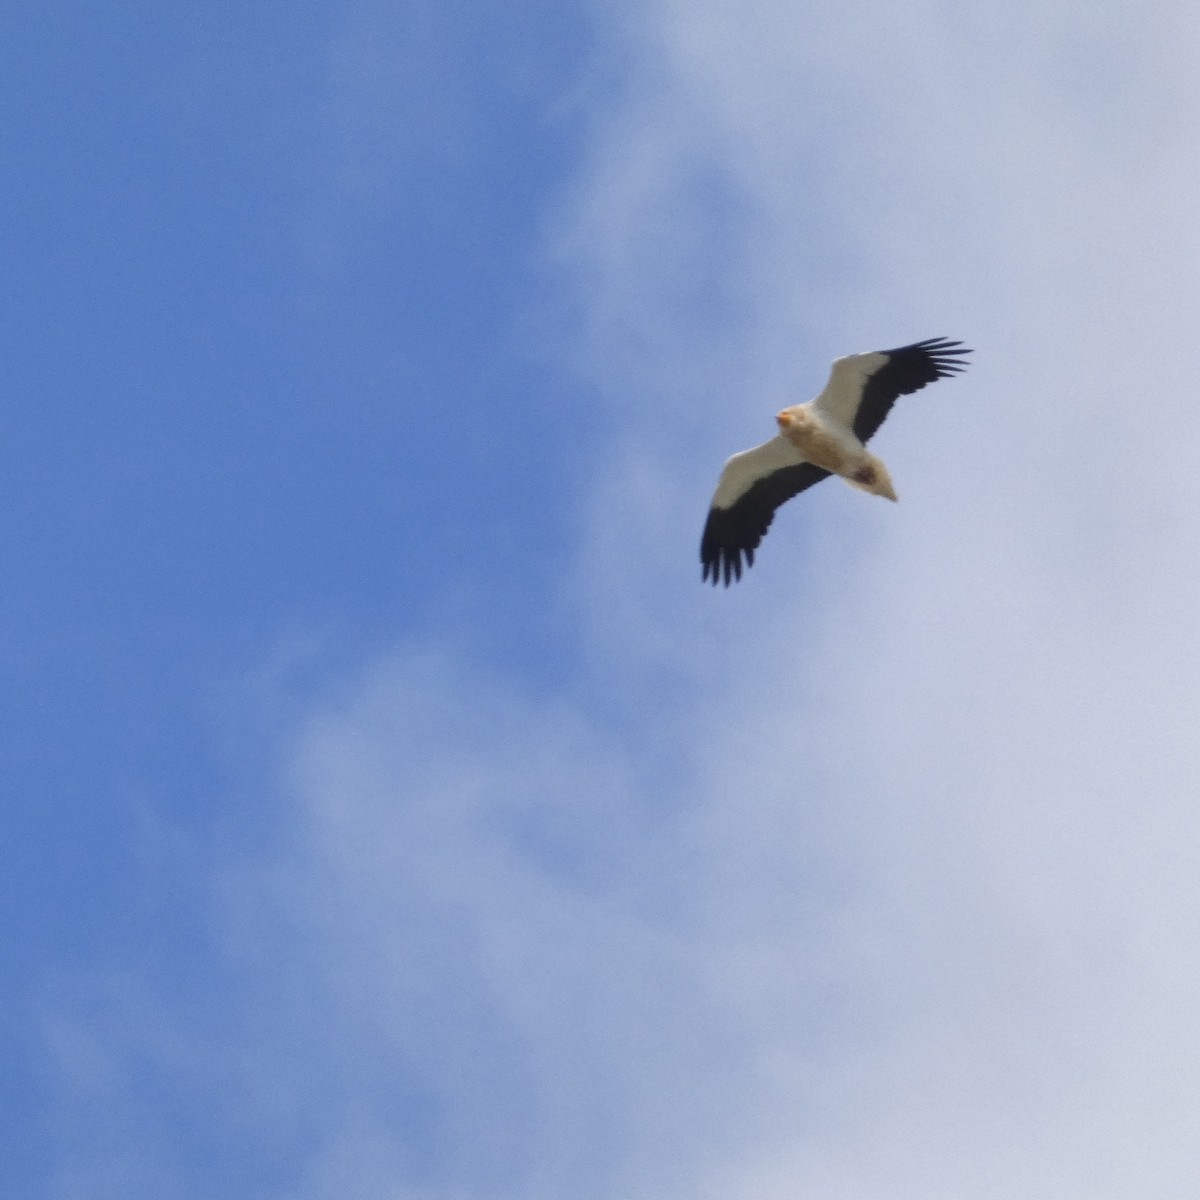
{"type": "Point", "coordinates": [752, 486]}
{"type": "Point", "coordinates": [904, 370]}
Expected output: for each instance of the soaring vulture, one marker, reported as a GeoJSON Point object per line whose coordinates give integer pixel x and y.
{"type": "Point", "coordinates": [827, 436]}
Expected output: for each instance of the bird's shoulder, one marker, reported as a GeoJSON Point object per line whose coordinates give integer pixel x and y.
{"type": "Point", "coordinates": [746, 468]}
{"type": "Point", "coordinates": [848, 378]}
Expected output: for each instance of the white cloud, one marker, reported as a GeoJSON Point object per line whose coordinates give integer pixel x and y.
{"type": "Point", "coordinates": [1008, 677]}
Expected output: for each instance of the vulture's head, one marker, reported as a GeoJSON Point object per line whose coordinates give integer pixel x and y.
{"type": "Point", "coordinates": [793, 420]}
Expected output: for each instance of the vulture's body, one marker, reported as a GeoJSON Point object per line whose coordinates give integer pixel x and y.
{"type": "Point", "coordinates": [826, 436]}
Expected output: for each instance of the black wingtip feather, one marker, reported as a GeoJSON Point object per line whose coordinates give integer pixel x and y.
{"type": "Point", "coordinates": [908, 369]}
{"type": "Point", "coordinates": [731, 534]}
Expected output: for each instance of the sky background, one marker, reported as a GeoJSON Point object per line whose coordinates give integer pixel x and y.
{"type": "Point", "coordinates": [389, 813]}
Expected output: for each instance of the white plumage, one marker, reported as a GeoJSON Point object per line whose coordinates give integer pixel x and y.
{"type": "Point", "coordinates": [827, 436]}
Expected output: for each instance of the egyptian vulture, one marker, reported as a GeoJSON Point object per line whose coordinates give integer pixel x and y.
{"type": "Point", "coordinates": [827, 436]}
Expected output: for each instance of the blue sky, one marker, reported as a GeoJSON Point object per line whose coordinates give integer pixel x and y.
{"type": "Point", "coordinates": [390, 811]}
{"type": "Point", "coordinates": [267, 265]}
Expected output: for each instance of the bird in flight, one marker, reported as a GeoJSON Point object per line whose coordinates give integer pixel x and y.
{"type": "Point", "coordinates": [827, 436]}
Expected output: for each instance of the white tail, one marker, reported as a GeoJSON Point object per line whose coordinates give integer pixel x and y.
{"type": "Point", "coordinates": [872, 477]}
